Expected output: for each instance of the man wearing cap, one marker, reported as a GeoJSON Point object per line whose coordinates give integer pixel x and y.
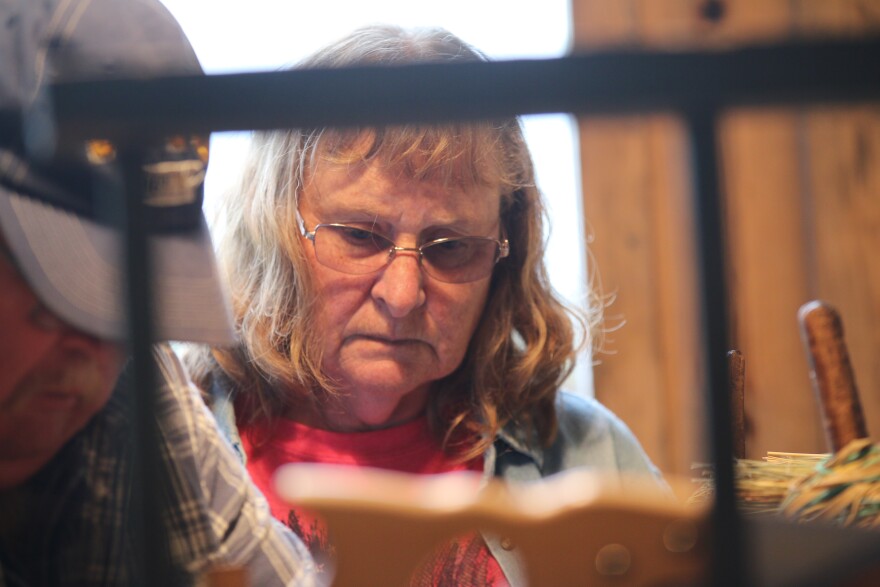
{"type": "Point", "coordinates": [65, 410]}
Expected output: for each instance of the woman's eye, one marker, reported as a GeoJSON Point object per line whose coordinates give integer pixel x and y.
{"type": "Point", "coordinates": [357, 233]}
{"type": "Point", "coordinates": [451, 246]}
{"type": "Point", "coordinates": [362, 238]}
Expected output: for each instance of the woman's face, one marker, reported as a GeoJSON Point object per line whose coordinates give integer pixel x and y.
{"type": "Point", "coordinates": [389, 334]}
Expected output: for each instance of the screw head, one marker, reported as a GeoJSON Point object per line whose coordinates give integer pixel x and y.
{"type": "Point", "coordinates": [613, 560]}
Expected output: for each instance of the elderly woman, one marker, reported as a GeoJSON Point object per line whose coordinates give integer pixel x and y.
{"type": "Point", "coordinates": [394, 310]}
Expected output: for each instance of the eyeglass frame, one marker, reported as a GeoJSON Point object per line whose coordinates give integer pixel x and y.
{"type": "Point", "coordinates": [40, 317]}
{"type": "Point", "coordinates": [502, 252]}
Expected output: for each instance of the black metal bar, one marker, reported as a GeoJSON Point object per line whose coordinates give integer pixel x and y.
{"type": "Point", "coordinates": [152, 562]}
{"type": "Point", "coordinates": [729, 565]}
{"type": "Point", "coordinates": [609, 82]}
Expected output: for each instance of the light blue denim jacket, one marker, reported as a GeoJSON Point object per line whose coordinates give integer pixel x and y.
{"type": "Point", "coordinates": [590, 436]}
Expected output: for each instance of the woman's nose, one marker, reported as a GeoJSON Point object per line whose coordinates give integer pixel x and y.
{"type": "Point", "coordinates": [400, 285]}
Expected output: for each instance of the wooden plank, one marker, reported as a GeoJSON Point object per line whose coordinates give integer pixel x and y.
{"type": "Point", "coordinates": [841, 17]}
{"type": "Point", "coordinates": [769, 278]}
{"type": "Point", "coordinates": [843, 154]}
{"type": "Point", "coordinates": [637, 205]}
{"type": "Point", "coordinates": [617, 206]}
{"type": "Point", "coordinates": [657, 353]}
{"type": "Point", "coordinates": [600, 23]}
{"type": "Point", "coordinates": [676, 297]}
{"type": "Point", "coordinates": [707, 23]}
{"type": "Point", "coordinates": [803, 223]}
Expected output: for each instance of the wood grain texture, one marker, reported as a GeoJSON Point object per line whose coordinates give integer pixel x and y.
{"type": "Point", "coordinates": [694, 22]}
{"type": "Point", "coordinates": [769, 277]}
{"type": "Point", "coordinates": [676, 296]}
{"type": "Point", "coordinates": [802, 222]}
{"type": "Point", "coordinates": [842, 153]}
{"type": "Point", "coordinates": [618, 205]}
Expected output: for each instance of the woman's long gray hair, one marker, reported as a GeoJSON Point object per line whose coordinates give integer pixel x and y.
{"type": "Point", "coordinates": [524, 345]}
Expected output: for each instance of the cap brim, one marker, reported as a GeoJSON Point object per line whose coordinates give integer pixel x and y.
{"type": "Point", "coordinates": [74, 267]}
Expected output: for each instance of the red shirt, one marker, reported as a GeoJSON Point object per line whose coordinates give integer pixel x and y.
{"type": "Point", "coordinates": [407, 448]}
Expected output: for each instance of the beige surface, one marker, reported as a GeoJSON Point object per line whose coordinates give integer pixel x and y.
{"type": "Point", "coordinates": [574, 528]}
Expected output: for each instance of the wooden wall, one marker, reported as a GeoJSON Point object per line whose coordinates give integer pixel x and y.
{"type": "Point", "coordinates": [802, 197]}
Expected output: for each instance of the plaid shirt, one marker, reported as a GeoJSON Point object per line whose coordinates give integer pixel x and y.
{"type": "Point", "coordinates": [75, 509]}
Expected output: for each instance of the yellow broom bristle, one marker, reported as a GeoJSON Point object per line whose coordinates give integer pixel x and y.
{"type": "Point", "coordinates": [843, 488]}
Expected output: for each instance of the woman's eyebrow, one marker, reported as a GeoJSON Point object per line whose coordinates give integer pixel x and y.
{"type": "Point", "coordinates": [345, 214]}
{"type": "Point", "coordinates": [384, 222]}
{"type": "Point", "coordinates": [465, 226]}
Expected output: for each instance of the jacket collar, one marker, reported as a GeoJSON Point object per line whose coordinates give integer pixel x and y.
{"type": "Point", "coordinates": [517, 438]}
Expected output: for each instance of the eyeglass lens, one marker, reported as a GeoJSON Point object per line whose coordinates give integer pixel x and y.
{"type": "Point", "coordinates": [357, 251]}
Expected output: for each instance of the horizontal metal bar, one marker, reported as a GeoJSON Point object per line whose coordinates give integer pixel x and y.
{"type": "Point", "coordinates": [625, 81]}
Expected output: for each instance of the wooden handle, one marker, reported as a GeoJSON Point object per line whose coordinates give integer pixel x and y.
{"type": "Point", "coordinates": [736, 370]}
{"type": "Point", "coordinates": [832, 375]}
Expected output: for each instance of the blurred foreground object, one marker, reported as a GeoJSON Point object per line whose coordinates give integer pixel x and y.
{"type": "Point", "coordinates": [573, 528]}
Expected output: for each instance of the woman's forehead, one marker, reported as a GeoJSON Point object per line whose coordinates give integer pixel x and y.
{"type": "Point", "coordinates": [365, 191]}
{"type": "Point", "coordinates": [464, 155]}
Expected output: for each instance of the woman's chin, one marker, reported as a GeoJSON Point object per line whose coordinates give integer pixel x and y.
{"type": "Point", "coordinates": [373, 404]}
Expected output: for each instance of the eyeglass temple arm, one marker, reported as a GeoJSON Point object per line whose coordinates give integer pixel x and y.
{"type": "Point", "coordinates": [302, 226]}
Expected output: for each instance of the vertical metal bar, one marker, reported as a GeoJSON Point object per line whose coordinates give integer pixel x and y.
{"type": "Point", "coordinates": [727, 549]}
{"type": "Point", "coordinates": [152, 563]}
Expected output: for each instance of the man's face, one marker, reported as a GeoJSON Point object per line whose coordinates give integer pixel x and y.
{"type": "Point", "coordinates": [53, 378]}
{"type": "Point", "coordinates": [389, 334]}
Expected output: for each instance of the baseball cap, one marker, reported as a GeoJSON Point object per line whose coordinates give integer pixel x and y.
{"type": "Point", "coordinates": [52, 216]}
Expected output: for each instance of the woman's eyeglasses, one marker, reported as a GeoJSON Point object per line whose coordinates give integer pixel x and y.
{"type": "Point", "coordinates": [358, 251]}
